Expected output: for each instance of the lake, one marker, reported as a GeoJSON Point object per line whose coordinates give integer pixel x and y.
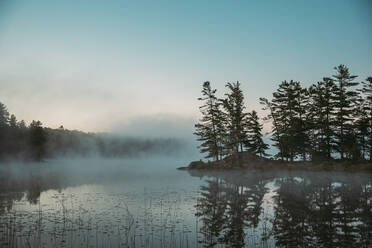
{"type": "Point", "coordinates": [148, 203]}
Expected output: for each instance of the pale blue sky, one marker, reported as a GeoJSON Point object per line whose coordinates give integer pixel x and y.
{"type": "Point", "coordinates": [102, 65]}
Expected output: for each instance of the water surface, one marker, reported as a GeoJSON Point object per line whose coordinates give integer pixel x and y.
{"type": "Point", "coordinates": [148, 203]}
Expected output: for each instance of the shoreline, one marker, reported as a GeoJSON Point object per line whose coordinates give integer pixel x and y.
{"type": "Point", "coordinates": [249, 162]}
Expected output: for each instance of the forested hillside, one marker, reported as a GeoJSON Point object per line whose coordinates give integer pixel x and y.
{"type": "Point", "coordinates": [35, 142]}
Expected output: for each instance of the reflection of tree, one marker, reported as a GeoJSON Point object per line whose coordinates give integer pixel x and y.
{"type": "Point", "coordinates": [255, 194]}
{"type": "Point", "coordinates": [226, 209]}
{"type": "Point", "coordinates": [235, 216]}
{"type": "Point", "coordinates": [323, 212]}
{"type": "Point", "coordinates": [211, 208]}
{"type": "Point", "coordinates": [244, 210]}
{"type": "Point", "coordinates": [8, 194]}
{"type": "Point", "coordinates": [347, 215]}
{"type": "Point", "coordinates": [365, 226]}
{"type": "Point", "coordinates": [291, 226]}
{"type": "Point", "coordinates": [341, 213]}
{"type": "Point", "coordinates": [14, 187]}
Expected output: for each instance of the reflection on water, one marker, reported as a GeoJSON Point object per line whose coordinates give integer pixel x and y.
{"type": "Point", "coordinates": [179, 209]}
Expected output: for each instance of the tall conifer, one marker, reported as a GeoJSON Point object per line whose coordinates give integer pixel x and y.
{"type": "Point", "coordinates": [235, 116]}
{"type": "Point", "coordinates": [344, 102]}
{"type": "Point", "coordinates": [255, 143]}
{"type": "Point", "coordinates": [210, 130]}
{"type": "Point", "coordinates": [367, 110]}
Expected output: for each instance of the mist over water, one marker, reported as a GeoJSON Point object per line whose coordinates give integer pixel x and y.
{"type": "Point", "coordinates": [102, 101]}
{"type": "Point", "coordinates": [146, 202]}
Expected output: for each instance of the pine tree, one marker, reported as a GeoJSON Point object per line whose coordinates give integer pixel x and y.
{"type": "Point", "coordinates": [13, 121]}
{"type": "Point", "coordinates": [210, 130]}
{"type": "Point", "coordinates": [288, 104]}
{"type": "Point", "coordinates": [320, 110]}
{"type": "Point", "coordinates": [367, 114]}
{"type": "Point", "coordinates": [4, 115]}
{"type": "Point", "coordinates": [361, 131]}
{"type": "Point", "coordinates": [303, 128]}
{"type": "Point", "coordinates": [255, 144]}
{"type": "Point", "coordinates": [4, 133]}
{"type": "Point", "coordinates": [234, 118]}
{"type": "Point", "coordinates": [37, 140]}
{"type": "Point", "coordinates": [22, 124]}
{"type": "Point", "coordinates": [344, 103]}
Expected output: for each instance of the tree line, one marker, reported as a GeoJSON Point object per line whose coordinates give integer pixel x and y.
{"type": "Point", "coordinates": [35, 142]}
{"type": "Point", "coordinates": [331, 119]}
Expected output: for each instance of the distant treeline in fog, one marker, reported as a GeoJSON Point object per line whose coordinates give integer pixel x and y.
{"type": "Point", "coordinates": [35, 142]}
{"type": "Point", "coordinates": [330, 119]}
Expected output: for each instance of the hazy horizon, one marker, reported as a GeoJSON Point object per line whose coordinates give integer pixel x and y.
{"type": "Point", "coordinates": [137, 68]}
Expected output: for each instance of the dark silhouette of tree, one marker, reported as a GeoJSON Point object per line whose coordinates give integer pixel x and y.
{"type": "Point", "coordinates": [4, 115]}
{"type": "Point", "coordinates": [235, 116]}
{"type": "Point", "coordinates": [21, 124]}
{"type": "Point", "coordinates": [255, 143]}
{"type": "Point", "coordinates": [4, 126]}
{"type": "Point", "coordinates": [344, 103]}
{"type": "Point", "coordinates": [365, 124]}
{"type": "Point", "coordinates": [288, 107]}
{"type": "Point", "coordinates": [210, 129]}
{"type": "Point", "coordinates": [321, 118]}
{"type": "Point", "coordinates": [360, 148]}
{"type": "Point", "coordinates": [37, 140]}
{"type": "Point", "coordinates": [13, 121]}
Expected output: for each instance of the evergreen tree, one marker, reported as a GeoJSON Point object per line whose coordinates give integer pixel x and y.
{"type": "Point", "coordinates": [344, 103]}
{"type": "Point", "coordinates": [234, 118]}
{"type": "Point", "coordinates": [366, 124]}
{"type": "Point", "coordinates": [37, 140]}
{"type": "Point", "coordinates": [302, 122]}
{"type": "Point", "coordinates": [21, 124]}
{"type": "Point", "coordinates": [13, 121]}
{"type": "Point", "coordinates": [4, 115]}
{"type": "Point", "coordinates": [4, 125]}
{"type": "Point", "coordinates": [255, 144]}
{"type": "Point", "coordinates": [210, 129]}
{"type": "Point", "coordinates": [288, 105]}
{"type": "Point", "coordinates": [360, 131]}
{"type": "Point", "coordinates": [320, 110]}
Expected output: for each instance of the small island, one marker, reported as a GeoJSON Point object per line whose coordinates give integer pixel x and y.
{"type": "Point", "coordinates": [327, 126]}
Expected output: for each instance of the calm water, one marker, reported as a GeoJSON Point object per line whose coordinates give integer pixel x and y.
{"type": "Point", "coordinates": [148, 203]}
